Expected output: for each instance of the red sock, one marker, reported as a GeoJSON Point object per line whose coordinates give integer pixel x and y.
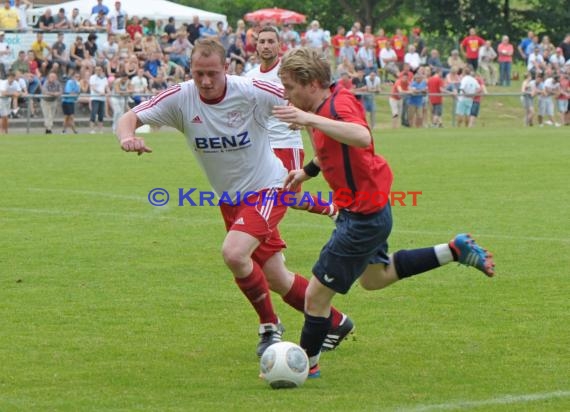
{"type": "Point", "coordinates": [296, 295]}
{"type": "Point", "coordinates": [322, 206]}
{"type": "Point", "coordinates": [256, 290]}
{"type": "Point", "coordinates": [296, 298]}
{"type": "Point", "coordinates": [336, 317]}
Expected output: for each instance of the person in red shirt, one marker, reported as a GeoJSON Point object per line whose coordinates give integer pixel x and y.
{"type": "Point", "coordinates": [134, 27]}
{"type": "Point", "coordinates": [505, 51]}
{"type": "Point", "coordinates": [400, 44]}
{"type": "Point", "coordinates": [400, 89]}
{"type": "Point", "coordinates": [337, 43]}
{"type": "Point", "coordinates": [406, 71]}
{"type": "Point", "coordinates": [381, 41]}
{"type": "Point", "coordinates": [436, 86]}
{"type": "Point", "coordinates": [354, 40]}
{"type": "Point", "coordinates": [470, 47]}
{"type": "Point", "coordinates": [361, 181]}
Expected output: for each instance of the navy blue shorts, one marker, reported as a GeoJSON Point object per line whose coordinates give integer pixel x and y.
{"type": "Point", "coordinates": [357, 241]}
{"type": "Point", "coordinates": [68, 108]}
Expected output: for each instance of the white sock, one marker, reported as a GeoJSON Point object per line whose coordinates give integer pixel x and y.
{"type": "Point", "coordinates": [314, 360]}
{"type": "Point", "coordinates": [443, 254]}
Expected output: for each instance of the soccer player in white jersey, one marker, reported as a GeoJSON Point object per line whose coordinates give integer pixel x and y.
{"type": "Point", "coordinates": [224, 120]}
{"type": "Point", "coordinates": [285, 140]}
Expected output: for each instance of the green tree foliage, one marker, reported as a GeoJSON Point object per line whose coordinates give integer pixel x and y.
{"type": "Point", "coordinates": [446, 19]}
{"type": "Point", "coordinates": [330, 13]}
{"type": "Point", "coordinates": [551, 16]}
{"type": "Point", "coordinates": [454, 17]}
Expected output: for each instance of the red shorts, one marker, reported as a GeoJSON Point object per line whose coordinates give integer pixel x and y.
{"type": "Point", "coordinates": [292, 159]}
{"type": "Point", "coordinates": [260, 221]}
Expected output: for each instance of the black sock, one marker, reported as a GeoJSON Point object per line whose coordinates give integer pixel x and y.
{"type": "Point", "coordinates": [313, 334]}
{"type": "Point", "coordinates": [413, 262]}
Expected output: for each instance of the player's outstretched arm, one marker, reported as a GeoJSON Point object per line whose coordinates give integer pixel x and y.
{"type": "Point", "coordinates": [126, 127]}
{"type": "Point", "coordinates": [296, 177]}
{"type": "Point", "coordinates": [352, 134]}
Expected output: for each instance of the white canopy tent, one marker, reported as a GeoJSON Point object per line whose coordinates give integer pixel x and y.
{"type": "Point", "coordinates": [151, 9]}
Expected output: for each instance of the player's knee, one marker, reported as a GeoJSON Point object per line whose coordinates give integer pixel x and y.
{"type": "Point", "coordinates": [234, 258]}
{"type": "Point", "coordinates": [311, 304]}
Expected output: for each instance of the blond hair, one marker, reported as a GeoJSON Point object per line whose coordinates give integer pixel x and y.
{"type": "Point", "coordinates": [306, 65]}
{"type": "Point", "coordinates": [207, 47]}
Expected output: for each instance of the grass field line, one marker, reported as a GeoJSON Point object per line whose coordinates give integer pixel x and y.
{"type": "Point", "coordinates": [442, 233]}
{"type": "Point", "coordinates": [90, 193]}
{"type": "Point", "coordinates": [501, 400]}
{"type": "Point", "coordinates": [491, 235]}
{"type": "Point", "coordinates": [203, 221]}
{"type": "Point", "coordinates": [74, 213]}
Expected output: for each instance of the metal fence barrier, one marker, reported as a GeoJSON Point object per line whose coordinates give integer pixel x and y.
{"type": "Point", "coordinates": [505, 109]}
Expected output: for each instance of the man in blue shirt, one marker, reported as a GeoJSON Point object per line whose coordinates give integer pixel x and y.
{"type": "Point", "coordinates": [70, 96]}
{"type": "Point", "coordinates": [207, 30]}
{"type": "Point", "coordinates": [524, 44]}
{"type": "Point", "coordinates": [99, 7]}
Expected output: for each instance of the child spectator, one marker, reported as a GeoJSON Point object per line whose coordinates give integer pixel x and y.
{"type": "Point", "coordinates": [400, 89]}
{"type": "Point", "coordinates": [418, 89]}
{"type": "Point", "coordinates": [71, 94]}
{"type": "Point", "coordinates": [435, 87]}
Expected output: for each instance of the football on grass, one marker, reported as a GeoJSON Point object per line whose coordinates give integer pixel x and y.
{"type": "Point", "coordinates": [284, 365]}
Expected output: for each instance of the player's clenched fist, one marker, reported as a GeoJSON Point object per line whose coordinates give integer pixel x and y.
{"type": "Point", "coordinates": [135, 144]}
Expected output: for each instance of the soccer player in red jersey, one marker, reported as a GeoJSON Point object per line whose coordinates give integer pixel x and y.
{"type": "Point", "coordinates": [358, 248]}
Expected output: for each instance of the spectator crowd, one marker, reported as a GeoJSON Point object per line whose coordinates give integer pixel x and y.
{"type": "Point", "coordinates": [118, 60]}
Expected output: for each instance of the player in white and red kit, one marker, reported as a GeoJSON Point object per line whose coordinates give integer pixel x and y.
{"type": "Point", "coordinates": [285, 140]}
{"type": "Point", "coordinates": [224, 120]}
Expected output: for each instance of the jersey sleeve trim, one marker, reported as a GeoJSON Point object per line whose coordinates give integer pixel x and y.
{"type": "Point", "coordinates": [270, 87]}
{"type": "Point", "coordinates": [156, 99]}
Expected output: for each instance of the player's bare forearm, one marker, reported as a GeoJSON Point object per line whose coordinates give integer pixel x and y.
{"type": "Point", "coordinates": [126, 127]}
{"type": "Point", "coordinates": [348, 133]}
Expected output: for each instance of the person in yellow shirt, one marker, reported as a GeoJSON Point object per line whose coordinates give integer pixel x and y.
{"type": "Point", "coordinates": [9, 18]}
{"type": "Point", "coordinates": [39, 46]}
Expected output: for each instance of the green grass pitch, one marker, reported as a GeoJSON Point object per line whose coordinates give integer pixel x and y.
{"type": "Point", "coordinates": [108, 303]}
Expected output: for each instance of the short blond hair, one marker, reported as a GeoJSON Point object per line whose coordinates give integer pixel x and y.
{"type": "Point", "coordinates": [306, 65]}
{"type": "Point", "coordinates": [208, 46]}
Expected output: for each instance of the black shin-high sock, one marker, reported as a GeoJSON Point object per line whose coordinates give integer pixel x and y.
{"type": "Point", "coordinates": [313, 334]}
{"type": "Point", "coordinates": [413, 262]}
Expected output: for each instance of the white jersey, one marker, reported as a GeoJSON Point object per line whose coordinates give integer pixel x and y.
{"type": "Point", "coordinates": [228, 137]}
{"type": "Point", "coordinates": [468, 87]}
{"type": "Point", "coordinates": [280, 135]}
